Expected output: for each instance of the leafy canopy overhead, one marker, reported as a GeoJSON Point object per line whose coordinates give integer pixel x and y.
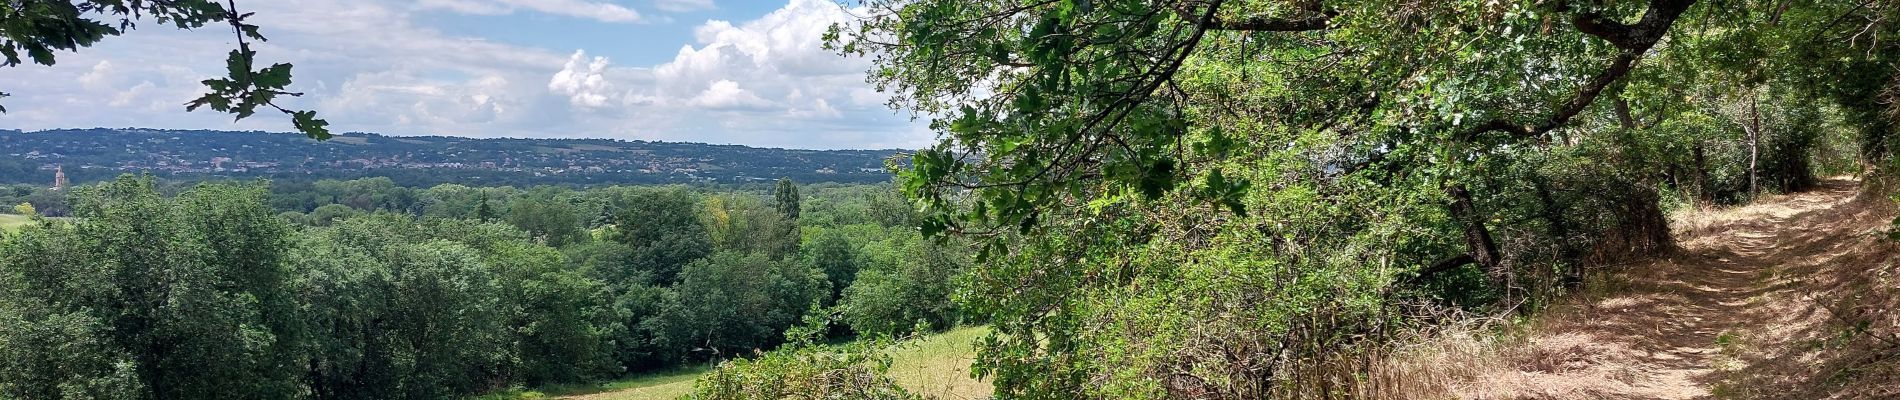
{"type": "Point", "coordinates": [41, 28]}
{"type": "Point", "coordinates": [1271, 178]}
{"type": "Point", "coordinates": [1046, 102]}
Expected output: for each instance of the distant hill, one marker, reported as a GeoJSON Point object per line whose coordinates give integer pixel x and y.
{"type": "Point", "coordinates": [89, 155]}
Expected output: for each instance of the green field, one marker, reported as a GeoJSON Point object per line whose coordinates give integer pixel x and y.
{"type": "Point", "coordinates": [936, 366]}
{"type": "Point", "coordinates": [939, 366]}
{"type": "Point", "coordinates": [10, 222]}
{"type": "Point", "coordinates": [13, 222]}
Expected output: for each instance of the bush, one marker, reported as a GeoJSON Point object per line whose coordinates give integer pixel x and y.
{"type": "Point", "coordinates": [903, 289]}
{"type": "Point", "coordinates": [856, 371]}
{"type": "Point", "coordinates": [731, 303]}
{"type": "Point", "coordinates": [329, 214]}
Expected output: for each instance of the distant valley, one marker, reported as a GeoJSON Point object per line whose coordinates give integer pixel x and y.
{"type": "Point", "coordinates": [88, 155]}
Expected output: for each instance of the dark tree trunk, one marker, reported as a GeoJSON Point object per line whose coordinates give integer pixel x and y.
{"type": "Point", "coordinates": [1482, 249]}
{"type": "Point", "coordinates": [1623, 115]}
{"type": "Point", "coordinates": [1559, 229]}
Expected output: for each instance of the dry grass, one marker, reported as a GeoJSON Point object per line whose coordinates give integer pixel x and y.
{"type": "Point", "coordinates": [1438, 366]}
{"type": "Point", "coordinates": [666, 385]}
{"type": "Point", "coordinates": [1743, 311]}
{"type": "Point", "coordinates": [937, 366]}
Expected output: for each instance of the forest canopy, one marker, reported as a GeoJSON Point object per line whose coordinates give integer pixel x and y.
{"type": "Point", "coordinates": [367, 290]}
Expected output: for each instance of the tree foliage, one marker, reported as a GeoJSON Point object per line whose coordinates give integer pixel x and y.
{"type": "Point", "coordinates": [1253, 189]}
{"type": "Point", "coordinates": [40, 29]}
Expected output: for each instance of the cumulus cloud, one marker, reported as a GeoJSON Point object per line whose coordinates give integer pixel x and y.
{"type": "Point", "coordinates": [128, 96]}
{"type": "Point", "coordinates": [775, 62]}
{"type": "Point", "coordinates": [582, 81]}
{"type": "Point", "coordinates": [683, 5]}
{"type": "Point", "coordinates": [727, 95]}
{"type": "Point", "coordinates": [377, 66]}
{"type": "Point", "coordinates": [599, 11]}
{"type": "Point", "coordinates": [410, 99]}
{"type": "Point", "coordinates": [100, 75]}
{"type": "Point", "coordinates": [785, 44]}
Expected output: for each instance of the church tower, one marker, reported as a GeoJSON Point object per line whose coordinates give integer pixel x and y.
{"type": "Point", "coordinates": [59, 178]}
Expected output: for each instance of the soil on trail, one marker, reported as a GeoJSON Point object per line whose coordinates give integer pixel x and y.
{"type": "Point", "coordinates": [1750, 306]}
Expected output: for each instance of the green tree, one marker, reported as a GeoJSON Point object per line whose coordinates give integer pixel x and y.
{"type": "Point", "coordinates": [663, 230]}
{"type": "Point", "coordinates": [396, 314]}
{"type": "Point", "coordinates": [785, 198]}
{"type": "Point", "coordinates": [1105, 156]}
{"type": "Point", "coordinates": [548, 217]}
{"type": "Point", "coordinates": [561, 319]}
{"type": "Point", "coordinates": [730, 303]}
{"type": "Point", "coordinates": [745, 224]}
{"type": "Point", "coordinates": [833, 253]}
{"type": "Point", "coordinates": [483, 212]}
{"type": "Point", "coordinates": [909, 286]}
{"type": "Point", "coordinates": [41, 28]}
{"type": "Point", "coordinates": [158, 298]}
{"type": "Point", "coordinates": [52, 350]}
{"type": "Point", "coordinates": [328, 214]}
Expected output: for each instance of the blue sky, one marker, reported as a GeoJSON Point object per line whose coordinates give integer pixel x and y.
{"type": "Point", "coordinates": [715, 71]}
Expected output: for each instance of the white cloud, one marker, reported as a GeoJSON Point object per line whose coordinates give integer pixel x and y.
{"type": "Point", "coordinates": [599, 11]}
{"type": "Point", "coordinates": [126, 97]}
{"type": "Point", "coordinates": [779, 58]}
{"type": "Point", "coordinates": [100, 75]}
{"type": "Point", "coordinates": [375, 66]}
{"type": "Point", "coordinates": [407, 99]}
{"type": "Point", "coordinates": [727, 95]}
{"type": "Point", "coordinates": [582, 81]}
{"type": "Point", "coordinates": [683, 5]}
{"type": "Point", "coordinates": [810, 108]}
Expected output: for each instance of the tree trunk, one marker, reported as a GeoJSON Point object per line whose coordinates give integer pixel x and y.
{"type": "Point", "coordinates": [1623, 114]}
{"type": "Point", "coordinates": [1754, 144]}
{"type": "Point", "coordinates": [1483, 250]}
{"type": "Point", "coordinates": [1559, 229]}
{"type": "Point", "coordinates": [1703, 195]}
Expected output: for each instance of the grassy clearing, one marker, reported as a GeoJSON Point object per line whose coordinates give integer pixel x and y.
{"type": "Point", "coordinates": [14, 222]}
{"type": "Point", "coordinates": [660, 385]}
{"type": "Point", "coordinates": [11, 222]}
{"type": "Point", "coordinates": [937, 366]}
{"type": "Point", "coordinates": [666, 385]}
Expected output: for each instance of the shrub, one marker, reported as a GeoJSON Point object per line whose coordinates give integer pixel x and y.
{"type": "Point", "coordinates": [913, 288]}
{"type": "Point", "coordinates": [856, 371]}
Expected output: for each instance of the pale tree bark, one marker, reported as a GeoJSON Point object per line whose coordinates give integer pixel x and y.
{"type": "Point", "coordinates": [1754, 143]}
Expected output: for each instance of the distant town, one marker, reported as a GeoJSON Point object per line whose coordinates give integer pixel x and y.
{"type": "Point", "coordinates": [85, 155]}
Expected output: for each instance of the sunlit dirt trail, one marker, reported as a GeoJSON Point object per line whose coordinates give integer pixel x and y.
{"type": "Point", "coordinates": [1745, 309]}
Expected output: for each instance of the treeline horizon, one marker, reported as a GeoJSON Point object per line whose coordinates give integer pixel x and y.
{"type": "Point", "coordinates": [100, 154]}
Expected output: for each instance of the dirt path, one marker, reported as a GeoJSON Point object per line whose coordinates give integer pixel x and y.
{"type": "Point", "coordinates": [1736, 313]}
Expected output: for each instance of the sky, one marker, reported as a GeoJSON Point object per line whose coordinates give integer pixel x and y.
{"type": "Point", "coordinates": [750, 72]}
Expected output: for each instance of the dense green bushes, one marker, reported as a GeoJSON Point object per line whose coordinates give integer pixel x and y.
{"type": "Point", "coordinates": [855, 371]}
{"type": "Point", "coordinates": [214, 293]}
{"type": "Point", "coordinates": [910, 284]}
{"type": "Point", "coordinates": [732, 302]}
{"type": "Point", "coordinates": [1248, 199]}
{"type": "Point", "coordinates": [141, 299]}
